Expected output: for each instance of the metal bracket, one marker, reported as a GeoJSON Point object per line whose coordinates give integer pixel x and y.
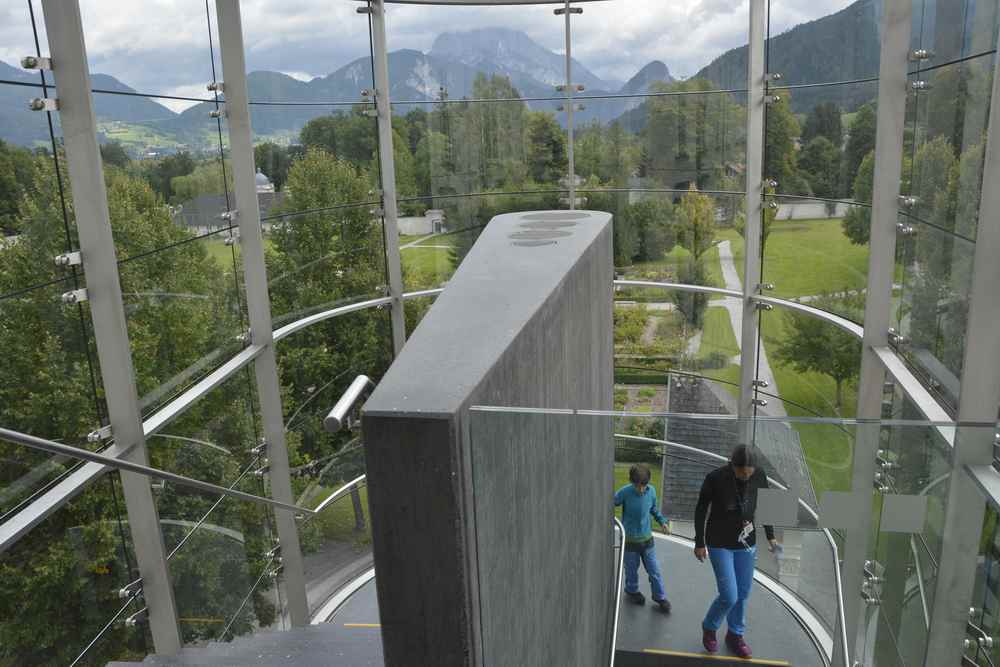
{"type": "Point", "coordinates": [260, 448]}
{"type": "Point", "coordinates": [904, 229]}
{"type": "Point", "coordinates": [371, 113]}
{"type": "Point", "coordinates": [44, 104]}
{"type": "Point", "coordinates": [773, 76]}
{"type": "Point", "coordinates": [773, 205]}
{"type": "Point", "coordinates": [771, 183]}
{"type": "Point", "coordinates": [921, 54]}
{"type": "Point", "coordinates": [760, 383]}
{"type": "Point", "coordinates": [772, 99]}
{"type": "Point", "coordinates": [231, 240]}
{"type": "Point", "coordinates": [137, 618]}
{"type": "Point", "coordinates": [69, 259]}
{"type": "Point", "coordinates": [763, 306]}
{"type": "Point", "coordinates": [217, 113]}
{"type": "Point", "coordinates": [377, 212]}
{"type": "Point", "coordinates": [765, 287]}
{"type": "Point", "coordinates": [578, 87]}
{"type": "Point", "coordinates": [229, 216]}
{"type": "Point", "coordinates": [897, 338]}
{"type": "Point", "coordinates": [758, 401]}
{"type": "Point", "coordinates": [908, 201]}
{"type": "Point", "coordinates": [274, 551]}
{"type": "Point", "coordinates": [263, 470]}
{"type": "Point", "coordinates": [244, 337]}
{"type": "Point", "coordinates": [920, 85]}
{"type": "Point", "coordinates": [131, 589]}
{"type": "Point", "coordinates": [572, 10]}
{"type": "Point", "coordinates": [75, 296]}
{"type": "Point", "coordinates": [99, 435]}
{"type": "Point", "coordinates": [216, 87]}
{"type": "Point", "coordinates": [35, 62]}
{"type": "Point", "coordinates": [366, 10]}
{"type": "Point", "coordinates": [367, 92]}
{"type": "Point", "coordinates": [574, 107]}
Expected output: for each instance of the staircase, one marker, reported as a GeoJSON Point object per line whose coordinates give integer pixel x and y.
{"type": "Point", "coordinates": [650, 658]}
{"type": "Point", "coordinates": [311, 646]}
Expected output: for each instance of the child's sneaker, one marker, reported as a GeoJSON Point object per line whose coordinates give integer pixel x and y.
{"type": "Point", "coordinates": [709, 641]}
{"type": "Point", "coordinates": [737, 645]}
{"type": "Point", "coordinates": [637, 597]}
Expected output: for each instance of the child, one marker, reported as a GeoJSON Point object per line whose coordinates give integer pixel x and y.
{"type": "Point", "coordinates": [638, 501]}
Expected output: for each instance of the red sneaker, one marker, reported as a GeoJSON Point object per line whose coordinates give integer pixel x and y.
{"type": "Point", "coordinates": [709, 641]}
{"type": "Point", "coordinates": [738, 646]}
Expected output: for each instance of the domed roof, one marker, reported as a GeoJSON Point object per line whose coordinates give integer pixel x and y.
{"type": "Point", "coordinates": [262, 178]}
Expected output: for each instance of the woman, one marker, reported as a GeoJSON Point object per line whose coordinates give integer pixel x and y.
{"type": "Point", "coordinates": [730, 536]}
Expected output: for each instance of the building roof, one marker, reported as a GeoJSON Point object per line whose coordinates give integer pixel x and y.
{"type": "Point", "coordinates": [778, 445]}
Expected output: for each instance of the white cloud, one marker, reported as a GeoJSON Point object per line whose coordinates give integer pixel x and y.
{"type": "Point", "coordinates": [159, 46]}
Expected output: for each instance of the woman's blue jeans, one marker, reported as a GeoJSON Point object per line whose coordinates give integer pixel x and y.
{"type": "Point", "coordinates": [648, 558]}
{"type": "Point", "coordinates": [734, 576]}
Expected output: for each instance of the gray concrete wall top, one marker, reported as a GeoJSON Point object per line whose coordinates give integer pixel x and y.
{"type": "Point", "coordinates": [484, 307]}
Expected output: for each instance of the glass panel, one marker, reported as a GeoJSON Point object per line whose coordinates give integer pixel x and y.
{"type": "Point", "coordinates": [679, 136]}
{"type": "Point", "coordinates": [295, 61]}
{"type": "Point", "coordinates": [935, 269]}
{"type": "Point", "coordinates": [811, 367]}
{"type": "Point", "coordinates": [675, 351]}
{"type": "Point", "coordinates": [320, 258]}
{"type": "Point", "coordinates": [954, 29]}
{"type": "Point", "coordinates": [816, 252]}
{"type": "Point", "coordinates": [843, 38]}
{"type": "Point", "coordinates": [177, 56]}
{"type": "Point", "coordinates": [184, 311]}
{"type": "Point", "coordinates": [946, 148]}
{"type": "Point", "coordinates": [64, 576]}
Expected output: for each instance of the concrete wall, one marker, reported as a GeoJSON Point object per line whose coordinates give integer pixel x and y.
{"type": "Point", "coordinates": [492, 531]}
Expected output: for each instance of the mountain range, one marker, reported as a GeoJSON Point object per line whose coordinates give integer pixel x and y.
{"type": "Point", "coordinates": [841, 46]}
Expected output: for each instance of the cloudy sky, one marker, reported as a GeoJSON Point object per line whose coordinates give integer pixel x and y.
{"type": "Point", "coordinates": [162, 46]}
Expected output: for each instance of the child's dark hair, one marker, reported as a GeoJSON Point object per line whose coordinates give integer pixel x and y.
{"type": "Point", "coordinates": [743, 457]}
{"type": "Point", "coordinates": [639, 474]}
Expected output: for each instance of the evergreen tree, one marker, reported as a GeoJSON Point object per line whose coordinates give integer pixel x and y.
{"type": "Point", "coordinates": [824, 121]}
{"type": "Point", "coordinates": [860, 142]}
{"type": "Point", "coordinates": [820, 165]}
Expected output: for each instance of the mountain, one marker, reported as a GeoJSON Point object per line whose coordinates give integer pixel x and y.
{"type": "Point", "coordinates": [20, 125]}
{"type": "Point", "coordinates": [843, 46]}
{"type": "Point", "coordinates": [640, 83]}
{"type": "Point", "coordinates": [512, 53]}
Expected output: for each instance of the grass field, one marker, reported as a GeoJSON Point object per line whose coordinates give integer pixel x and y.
{"type": "Point", "coordinates": [808, 257]}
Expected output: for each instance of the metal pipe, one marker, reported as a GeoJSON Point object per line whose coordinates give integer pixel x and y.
{"type": "Point", "coordinates": [56, 448]}
{"type": "Point", "coordinates": [334, 421]}
{"type": "Point", "coordinates": [618, 586]}
{"type": "Point", "coordinates": [340, 493]}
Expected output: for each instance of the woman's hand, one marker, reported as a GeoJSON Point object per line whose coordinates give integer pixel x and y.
{"type": "Point", "coordinates": [773, 545]}
{"type": "Point", "coordinates": [701, 553]}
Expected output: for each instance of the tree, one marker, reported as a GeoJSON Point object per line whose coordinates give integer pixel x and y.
{"type": "Point", "coordinates": [769, 215]}
{"type": "Point", "coordinates": [820, 165]}
{"type": "Point", "coordinates": [824, 121]}
{"type": "Point", "coordinates": [348, 136]}
{"type": "Point", "coordinates": [857, 222]}
{"type": "Point", "coordinates": [691, 305]}
{"type": "Point", "coordinates": [113, 153]}
{"type": "Point", "coordinates": [273, 160]}
{"type": "Point", "coordinates": [17, 172]}
{"type": "Point", "coordinates": [696, 222]}
{"type": "Point", "coordinates": [860, 142]}
{"type": "Point", "coordinates": [814, 345]}
{"type": "Point", "coordinates": [546, 148]}
{"type": "Point", "coordinates": [165, 170]}
{"type": "Point", "coordinates": [651, 221]}
{"type": "Point", "coordinates": [208, 177]}
{"type": "Point", "coordinates": [780, 160]}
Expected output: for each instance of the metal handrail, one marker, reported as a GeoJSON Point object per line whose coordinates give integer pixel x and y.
{"type": "Point", "coordinates": [341, 492]}
{"type": "Point", "coordinates": [44, 445]}
{"type": "Point", "coordinates": [618, 586]}
{"type": "Point", "coordinates": [842, 634]}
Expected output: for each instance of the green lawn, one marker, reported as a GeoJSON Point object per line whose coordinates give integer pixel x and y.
{"type": "Point", "coordinates": [808, 257]}
{"type": "Point", "coordinates": [426, 267]}
{"type": "Point", "coordinates": [717, 338]}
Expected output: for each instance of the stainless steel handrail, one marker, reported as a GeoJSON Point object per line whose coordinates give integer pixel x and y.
{"type": "Point", "coordinates": [41, 444]}
{"type": "Point", "coordinates": [337, 417]}
{"type": "Point", "coordinates": [618, 586]}
{"type": "Point", "coordinates": [341, 492]}
{"type": "Point", "coordinates": [842, 629]}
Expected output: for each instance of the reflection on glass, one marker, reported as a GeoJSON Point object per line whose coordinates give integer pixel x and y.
{"type": "Point", "coordinates": [936, 271]}
{"type": "Point", "coordinates": [65, 576]}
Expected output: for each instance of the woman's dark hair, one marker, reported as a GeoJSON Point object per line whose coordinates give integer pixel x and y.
{"type": "Point", "coordinates": [743, 457]}
{"type": "Point", "coordinates": [639, 474]}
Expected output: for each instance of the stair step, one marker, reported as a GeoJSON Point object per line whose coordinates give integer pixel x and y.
{"type": "Point", "coordinates": [667, 658]}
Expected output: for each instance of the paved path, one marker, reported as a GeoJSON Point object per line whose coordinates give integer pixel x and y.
{"type": "Point", "coordinates": [420, 240]}
{"type": "Point", "coordinates": [734, 306]}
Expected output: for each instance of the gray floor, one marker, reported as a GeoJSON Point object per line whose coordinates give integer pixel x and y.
{"type": "Point", "coordinates": [772, 631]}
{"type": "Point", "coordinates": [352, 635]}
